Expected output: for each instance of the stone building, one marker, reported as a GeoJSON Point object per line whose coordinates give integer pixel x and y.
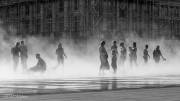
{"type": "Point", "coordinates": [80, 19]}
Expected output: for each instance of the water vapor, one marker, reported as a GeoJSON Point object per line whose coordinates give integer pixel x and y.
{"type": "Point", "coordinates": [83, 57]}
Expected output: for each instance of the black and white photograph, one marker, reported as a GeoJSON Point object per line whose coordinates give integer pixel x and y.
{"type": "Point", "coordinates": [89, 50]}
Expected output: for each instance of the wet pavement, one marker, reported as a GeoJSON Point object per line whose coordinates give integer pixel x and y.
{"type": "Point", "coordinates": [86, 84]}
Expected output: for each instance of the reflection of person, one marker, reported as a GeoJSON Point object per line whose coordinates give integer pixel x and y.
{"type": "Point", "coordinates": [123, 54]}
{"type": "Point", "coordinates": [157, 54]}
{"type": "Point", "coordinates": [23, 55]}
{"type": "Point", "coordinates": [40, 66]}
{"type": "Point", "coordinates": [146, 54]}
{"type": "Point", "coordinates": [15, 51]}
{"type": "Point", "coordinates": [60, 54]}
{"type": "Point", "coordinates": [103, 57]}
{"type": "Point", "coordinates": [114, 83]}
{"type": "Point", "coordinates": [104, 84]}
{"type": "Point", "coordinates": [107, 84]}
{"type": "Point", "coordinates": [114, 56]}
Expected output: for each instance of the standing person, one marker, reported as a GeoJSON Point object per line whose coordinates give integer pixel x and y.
{"type": "Point", "coordinates": [123, 54]}
{"type": "Point", "coordinates": [103, 57]}
{"type": "Point", "coordinates": [157, 55]}
{"type": "Point", "coordinates": [15, 51]}
{"type": "Point", "coordinates": [146, 54]}
{"type": "Point", "coordinates": [130, 56]}
{"type": "Point", "coordinates": [134, 49]}
{"type": "Point", "coordinates": [60, 54]}
{"type": "Point", "coordinates": [40, 66]}
{"type": "Point", "coordinates": [23, 55]}
{"type": "Point", "coordinates": [114, 56]}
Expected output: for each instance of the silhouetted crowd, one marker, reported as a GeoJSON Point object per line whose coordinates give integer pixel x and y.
{"type": "Point", "coordinates": [157, 55]}
{"type": "Point", "coordinates": [20, 53]}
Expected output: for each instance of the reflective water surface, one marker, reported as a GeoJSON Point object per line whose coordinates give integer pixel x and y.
{"type": "Point", "coordinates": [86, 84]}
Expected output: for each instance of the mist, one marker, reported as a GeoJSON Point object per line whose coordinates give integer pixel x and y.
{"type": "Point", "coordinates": [83, 58]}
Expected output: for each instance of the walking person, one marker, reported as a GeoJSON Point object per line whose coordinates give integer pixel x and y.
{"type": "Point", "coordinates": [60, 55]}
{"type": "Point", "coordinates": [123, 54]}
{"type": "Point", "coordinates": [103, 58]}
{"type": "Point", "coordinates": [134, 54]}
{"type": "Point", "coordinates": [157, 55]}
{"type": "Point", "coordinates": [146, 54]}
{"type": "Point", "coordinates": [114, 56]}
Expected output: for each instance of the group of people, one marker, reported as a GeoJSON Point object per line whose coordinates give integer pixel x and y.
{"type": "Point", "coordinates": [157, 55]}
{"type": "Point", "coordinates": [20, 53]}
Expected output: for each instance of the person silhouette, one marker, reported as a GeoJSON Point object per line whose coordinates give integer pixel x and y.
{"type": "Point", "coordinates": [146, 54]}
{"type": "Point", "coordinates": [23, 55]}
{"type": "Point", "coordinates": [40, 66]}
{"type": "Point", "coordinates": [114, 52]}
{"type": "Point", "coordinates": [103, 58]}
{"type": "Point", "coordinates": [60, 54]}
{"type": "Point", "coordinates": [157, 55]}
{"type": "Point", "coordinates": [123, 54]}
{"type": "Point", "coordinates": [15, 51]}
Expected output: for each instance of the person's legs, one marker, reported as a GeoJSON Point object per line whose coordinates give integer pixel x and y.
{"type": "Point", "coordinates": [58, 60]}
{"type": "Point", "coordinates": [33, 68]}
{"type": "Point", "coordinates": [24, 63]}
{"type": "Point", "coordinates": [62, 61]}
{"type": "Point", "coordinates": [15, 63]}
{"type": "Point", "coordinates": [145, 60]}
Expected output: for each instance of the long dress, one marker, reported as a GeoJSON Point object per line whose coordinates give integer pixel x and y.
{"type": "Point", "coordinates": [114, 57]}
{"type": "Point", "coordinates": [104, 59]}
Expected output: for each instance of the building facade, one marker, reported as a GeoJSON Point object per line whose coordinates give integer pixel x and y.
{"type": "Point", "coordinates": [80, 19]}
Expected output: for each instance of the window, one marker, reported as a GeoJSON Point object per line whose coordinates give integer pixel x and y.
{"type": "Point", "coordinates": [61, 6]}
{"type": "Point", "coordinates": [177, 12]}
{"type": "Point", "coordinates": [156, 10]}
{"type": "Point", "coordinates": [164, 11]}
{"type": "Point", "coordinates": [76, 24]}
{"type": "Point", "coordinates": [76, 4]}
{"type": "Point", "coordinates": [26, 10]}
{"type": "Point", "coordinates": [49, 27]}
{"type": "Point", "coordinates": [38, 26]}
{"type": "Point", "coordinates": [7, 12]}
{"type": "Point", "coordinates": [38, 9]}
{"type": "Point", "coordinates": [123, 9]}
{"type": "Point", "coordinates": [26, 25]}
{"type": "Point", "coordinates": [48, 11]}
